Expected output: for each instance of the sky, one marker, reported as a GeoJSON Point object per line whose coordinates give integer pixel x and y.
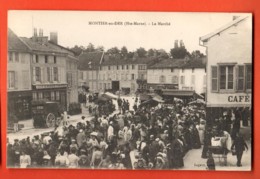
{"type": "Point", "coordinates": [74, 28]}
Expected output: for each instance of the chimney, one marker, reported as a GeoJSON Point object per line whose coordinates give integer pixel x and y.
{"type": "Point", "coordinates": [54, 37]}
{"type": "Point", "coordinates": [34, 32]}
{"type": "Point", "coordinates": [235, 17]}
{"type": "Point", "coordinates": [40, 33]}
{"type": "Point", "coordinates": [176, 44]}
{"type": "Point", "coordinates": [181, 43]}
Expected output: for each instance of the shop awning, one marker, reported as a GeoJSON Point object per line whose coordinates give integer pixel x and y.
{"type": "Point", "coordinates": [180, 93]}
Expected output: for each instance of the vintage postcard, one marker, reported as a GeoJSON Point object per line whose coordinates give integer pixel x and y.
{"type": "Point", "coordinates": [129, 90]}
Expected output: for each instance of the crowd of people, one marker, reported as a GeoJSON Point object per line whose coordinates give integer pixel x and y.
{"type": "Point", "coordinates": [148, 137]}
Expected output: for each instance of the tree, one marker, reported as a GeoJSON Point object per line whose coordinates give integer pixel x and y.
{"type": "Point", "coordinates": [179, 51]}
{"type": "Point", "coordinates": [113, 50]}
{"type": "Point", "coordinates": [77, 50]}
{"type": "Point", "coordinates": [90, 48]}
{"type": "Point", "coordinates": [151, 52]}
{"type": "Point", "coordinates": [162, 54]}
{"type": "Point", "coordinates": [124, 51]}
{"type": "Point", "coordinates": [197, 54]}
{"type": "Point", "coordinates": [141, 52]}
{"type": "Point", "coordinates": [99, 48]}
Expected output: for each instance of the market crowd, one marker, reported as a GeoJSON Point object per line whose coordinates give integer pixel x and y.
{"type": "Point", "coordinates": [150, 137]}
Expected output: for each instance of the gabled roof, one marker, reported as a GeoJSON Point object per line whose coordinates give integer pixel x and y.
{"type": "Point", "coordinates": [195, 63]}
{"type": "Point", "coordinates": [15, 43]}
{"type": "Point", "coordinates": [168, 63]}
{"type": "Point", "coordinates": [90, 60]}
{"type": "Point", "coordinates": [45, 47]}
{"type": "Point", "coordinates": [227, 26]}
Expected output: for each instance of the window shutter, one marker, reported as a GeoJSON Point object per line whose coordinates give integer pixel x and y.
{"type": "Point", "coordinates": [214, 78]}
{"type": "Point", "coordinates": [34, 75]}
{"type": "Point", "coordinates": [51, 74]}
{"type": "Point", "coordinates": [16, 80]}
{"type": "Point", "coordinates": [240, 73]}
{"type": "Point", "coordinates": [42, 75]}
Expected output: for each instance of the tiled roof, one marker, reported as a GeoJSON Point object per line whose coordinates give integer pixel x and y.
{"type": "Point", "coordinates": [45, 47]}
{"type": "Point", "coordinates": [89, 60]}
{"type": "Point", "coordinates": [236, 21]}
{"type": "Point", "coordinates": [15, 43]}
{"type": "Point", "coordinates": [117, 60]}
{"type": "Point", "coordinates": [169, 63]}
{"type": "Point", "coordinates": [195, 63]}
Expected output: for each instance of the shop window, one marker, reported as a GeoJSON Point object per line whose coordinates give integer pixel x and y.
{"type": "Point", "coordinates": [57, 95]}
{"type": "Point", "coordinates": [53, 96]}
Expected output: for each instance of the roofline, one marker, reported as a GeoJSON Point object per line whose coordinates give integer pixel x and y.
{"type": "Point", "coordinates": [223, 28]}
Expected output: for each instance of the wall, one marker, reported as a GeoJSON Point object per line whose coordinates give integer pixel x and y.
{"type": "Point", "coordinates": [22, 72]}
{"type": "Point", "coordinates": [232, 46]}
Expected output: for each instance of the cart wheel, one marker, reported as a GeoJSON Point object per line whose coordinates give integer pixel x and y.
{"type": "Point", "coordinates": [50, 120]}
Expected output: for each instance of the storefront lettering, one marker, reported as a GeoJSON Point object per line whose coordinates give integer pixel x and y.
{"type": "Point", "coordinates": [239, 99]}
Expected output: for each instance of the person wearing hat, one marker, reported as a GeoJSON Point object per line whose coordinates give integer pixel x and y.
{"type": "Point", "coordinates": [81, 137]}
{"type": "Point", "coordinates": [73, 144]}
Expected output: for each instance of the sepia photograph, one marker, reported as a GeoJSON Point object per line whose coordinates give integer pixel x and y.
{"type": "Point", "coordinates": [129, 90]}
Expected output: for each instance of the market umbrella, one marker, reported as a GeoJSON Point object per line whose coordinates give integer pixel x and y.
{"type": "Point", "coordinates": [197, 102]}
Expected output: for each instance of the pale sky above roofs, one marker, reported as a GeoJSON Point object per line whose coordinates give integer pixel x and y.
{"type": "Point", "coordinates": [73, 27]}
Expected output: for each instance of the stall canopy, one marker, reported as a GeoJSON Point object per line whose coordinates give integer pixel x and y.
{"type": "Point", "coordinates": [178, 93]}
{"type": "Point", "coordinates": [110, 95]}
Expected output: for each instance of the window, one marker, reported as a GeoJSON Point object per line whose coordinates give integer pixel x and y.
{"type": "Point", "coordinates": [133, 76]}
{"type": "Point", "coordinates": [40, 96]}
{"type": "Point", "coordinates": [52, 95]}
{"type": "Point", "coordinates": [108, 67]}
{"type": "Point", "coordinates": [193, 79]}
{"type": "Point", "coordinates": [172, 70]}
{"type": "Point", "coordinates": [36, 58]}
{"type": "Point", "coordinates": [48, 74]}
{"type": "Point", "coordinates": [16, 57]}
{"type": "Point", "coordinates": [69, 79]}
{"type": "Point", "coordinates": [54, 59]}
{"type": "Point", "coordinates": [57, 95]}
{"type": "Point", "coordinates": [122, 67]}
{"type": "Point", "coordinates": [182, 80]}
{"type": "Point", "coordinates": [117, 67]}
{"type": "Point", "coordinates": [47, 95]}
{"type": "Point", "coordinates": [11, 79]}
{"type": "Point", "coordinates": [37, 74]}
{"type": "Point", "coordinates": [81, 75]}
{"type": "Point", "coordinates": [182, 70]}
{"type": "Point", "coordinates": [10, 55]}
{"type": "Point", "coordinates": [192, 70]}
{"type": "Point", "coordinates": [226, 77]}
{"type": "Point", "coordinates": [34, 94]}
{"type": "Point", "coordinates": [55, 74]}
{"type": "Point", "coordinates": [141, 67]}
{"type": "Point", "coordinates": [127, 67]}
{"type": "Point", "coordinates": [248, 77]}
{"type": "Point", "coordinates": [46, 58]}
{"type": "Point", "coordinates": [133, 67]}
{"type": "Point", "coordinates": [162, 79]}
{"type": "Point", "coordinates": [175, 79]}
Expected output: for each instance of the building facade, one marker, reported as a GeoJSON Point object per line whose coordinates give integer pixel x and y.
{"type": "Point", "coordinates": [127, 75]}
{"type": "Point", "coordinates": [50, 66]}
{"type": "Point", "coordinates": [19, 86]}
{"type": "Point", "coordinates": [88, 67]}
{"type": "Point", "coordinates": [179, 74]}
{"type": "Point", "coordinates": [229, 67]}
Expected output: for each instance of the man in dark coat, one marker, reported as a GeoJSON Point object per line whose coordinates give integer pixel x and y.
{"type": "Point", "coordinates": [240, 145]}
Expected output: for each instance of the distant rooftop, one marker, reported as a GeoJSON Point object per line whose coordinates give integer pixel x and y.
{"type": "Point", "coordinates": [90, 60]}
{"type": "Point", "coordinates": [15, 43]}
